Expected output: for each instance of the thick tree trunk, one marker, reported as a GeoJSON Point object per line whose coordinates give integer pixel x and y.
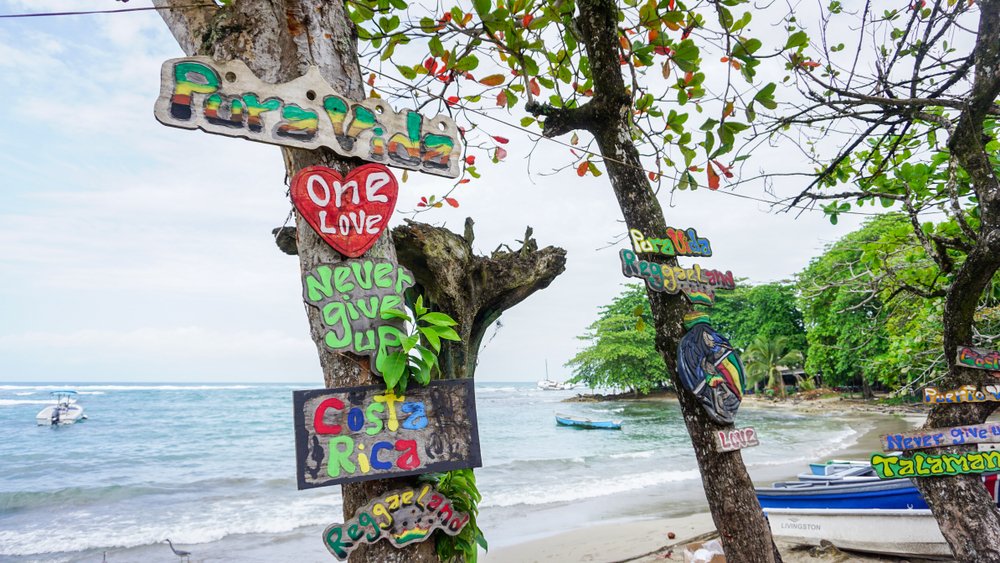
{"type": "Point", "coordinates": [279, 41]}
{"type": "Point", "coordinates": [473, 290]}
{"type": "Point", "coordinates": [966, 514]}
{"type": "Point", "coordinates": [746, 536]}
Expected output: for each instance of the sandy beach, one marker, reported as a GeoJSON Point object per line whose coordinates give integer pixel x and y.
{"type": "Point", "coordinates": [645, 538]}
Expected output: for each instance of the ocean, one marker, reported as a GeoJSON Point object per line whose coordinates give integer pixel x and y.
{"type": "Point", "coordinates": [212, 466]}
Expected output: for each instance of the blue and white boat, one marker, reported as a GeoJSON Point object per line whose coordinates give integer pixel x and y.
{"type": "Point", "coordinates": [580, 422]}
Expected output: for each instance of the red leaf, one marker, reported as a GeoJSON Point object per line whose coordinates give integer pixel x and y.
{"type": "Point", "coordinates": [431, 65]}
{"type": "Point", "coordinates": [501, 140]}
{"type": "Point", "coordinates": [713, 178]}
{"type": "Point", "coordinates": [446, 17]}
{"type": "Point", "coordinates": [726, 170]}
{"type": "Point", "coordinates": [493, 80]}
{"type": "Point", "coordinates": [452, 100]}
{"type": "Point", "coordinates": [526, 20]}
{"type": "Point", "coordinates": [451, 201]}
{"type": "Point", "coordinates": [502, 98]}
{"type": "Point", "coordinates": [421, 204]}
{"type": "Point", "coordinates": [582, 169]}
{"type": "Point", "coordinates": [652, 176]}
{"type": "Point", "coordinates": [500, 154]}
{"type": "Point", "coordinates": [533, 85]}
{"type": "Point", "coordinates": [470, 160]}
{"type": "Point", "coordinates": [423, 200]}
{"type": "Point", "coordinates": [688, 77]}
{"type": "Point", "coordinates": [371, 79]}
{"type": "Point", "coordinates": [464, 181]}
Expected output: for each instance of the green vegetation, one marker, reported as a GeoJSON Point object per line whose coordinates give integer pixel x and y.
{"type": "Point", "coordinates": [767, 310]}
{"type": "Point", "coordinates": [621, 353]}
{"type": "Point", "coordinates": [765, 358]}
{"type": "Point", "coordinates": [460, 487]}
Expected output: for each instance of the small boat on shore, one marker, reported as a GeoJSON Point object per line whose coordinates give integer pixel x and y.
{"type": "Point", "coordinates": [901, 533]}
{"type": "Point", "coordinates": [580, 422]}
{"type": "Point", "coordinates": [64, 411]}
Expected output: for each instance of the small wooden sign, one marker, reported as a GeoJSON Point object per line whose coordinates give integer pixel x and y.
{"type": "Point", "coordinates": [677, 242]}
{"type": "Point", "coordinates": [925, 465]}
{"type": "Point", "coordinates": [697, 284]}
{"type": "Point", "coordinates": [734, 439]}
{"type": "Point", "coordinates": [348, 213]}
{"type": "Point", "coordinates": [226, 98]}
{"type": "Point", "coordinates": [402, 517]}
{"type": "Point", "coordinates": [361, 433]}
{"type": "Point", "coordinates": [964, 394]}
{"type": "Point", "coordinates": [978, 358]}
{"type": "Point", "coordinates": [940, 437]}
{"type": "Point", "coordinates": [352, 296]}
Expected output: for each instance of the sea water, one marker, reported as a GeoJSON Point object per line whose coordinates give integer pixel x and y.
{"type": "Point", "coordinates": [202, 463]}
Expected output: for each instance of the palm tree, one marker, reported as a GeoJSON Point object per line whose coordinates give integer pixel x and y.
{"type": "Point", "coordinates": [765, 358]}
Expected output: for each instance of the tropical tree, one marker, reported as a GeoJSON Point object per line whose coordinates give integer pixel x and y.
{"type": "Point", "coordinates": [623, 81]}
{"type": "Point", "coordinates": [911, 110]}
{"type": "Point", "coordinates": [768, 310]}
{"type": "Point", "coordinates": [766, 357]}
{"type": "Point", "coordinates": [621, 352]}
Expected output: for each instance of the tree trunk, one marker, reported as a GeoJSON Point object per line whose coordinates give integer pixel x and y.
{"type": "Point", "coordinates": [279, 41]}
{"type": "Point", "coordinates": [746, 536]}
{"type": "Point", "coordinates": [473, 290]}
{"type": "Point", "coordinates": [966, 514]}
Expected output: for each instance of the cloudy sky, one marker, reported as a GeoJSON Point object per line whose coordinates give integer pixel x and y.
{"type": "Point", "coordinates": [130, 251]}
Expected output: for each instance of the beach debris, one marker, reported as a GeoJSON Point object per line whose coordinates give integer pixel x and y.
{"type": "Point", "coordinates": [707, 552]}
{"type": "Point", "coordinates": [671, 535]}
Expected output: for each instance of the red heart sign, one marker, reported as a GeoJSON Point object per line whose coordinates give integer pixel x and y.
{"type": "Point", "coordinates": [348, 213]}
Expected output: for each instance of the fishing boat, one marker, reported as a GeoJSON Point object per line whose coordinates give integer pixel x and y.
{"type": "Point", "coordinates": [580, 422]}
{"type": "Point", "coordinates": [863, 492]}
{"type": "Point", "coordinates": [64, 411]}
{"type": "Point", "coordinates": [896, 532]}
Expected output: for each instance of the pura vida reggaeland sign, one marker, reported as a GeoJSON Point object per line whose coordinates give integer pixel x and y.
{"type": "Point", "coordinates": [361, 433]}
{"type": "Point", "coordinates": [226, 98]}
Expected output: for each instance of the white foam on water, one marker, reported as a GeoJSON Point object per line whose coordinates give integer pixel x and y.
{"type": "Point", "coordinates": [568, 491]}
{"type": "Point", "coordinates": [645, 454]}
{"type": "Point", "coordinates": [839, 441]}
{"type": "Point", "coordinates": [24, 394]}
{"type": "Point", "coordinates": [15, 402]}
{"type": "Point", "coordinates": [185, 525]}
{"type": "Point", "coordinates": [92, 389]}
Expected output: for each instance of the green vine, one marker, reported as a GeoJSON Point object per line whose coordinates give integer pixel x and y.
{"type": "Point", "coordinates": [415, 360]}
{"type": "Point", "coordinates": [460, 487]}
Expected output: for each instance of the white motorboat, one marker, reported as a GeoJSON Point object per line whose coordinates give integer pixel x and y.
{"type": "Point", "coordinates": [900, 532]}
{"type": "Point", "coordinates": [64, 411]}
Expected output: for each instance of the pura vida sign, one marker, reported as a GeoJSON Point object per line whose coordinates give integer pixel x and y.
{"type": "Point", "coordinates": [226, 98]}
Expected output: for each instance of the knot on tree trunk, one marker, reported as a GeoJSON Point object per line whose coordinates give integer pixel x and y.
{"type": "Point", "coordinates": [474, 290]}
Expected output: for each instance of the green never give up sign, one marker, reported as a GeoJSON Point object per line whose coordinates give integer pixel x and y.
{"type": "Point", "coordinates": [354, 434]}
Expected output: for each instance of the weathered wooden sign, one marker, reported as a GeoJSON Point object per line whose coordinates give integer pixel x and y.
{"type": "Point", "coordinates": [697, 284]}
{"type": "Point", "coordinates": [352, 296]}
{"type": "Point", "coordinates": [361, 433]}
{"type": "Point", "coordinates": [402, 517]}
{"type": "Point", "coordinates": [924, 465]}
{"type": "Point", "coordinates": [226, 98]}
{"type": "Point", "coordinates": [710, 368]}
{"type": "Point", "coordinates": [964, 394]}
{"type": "Point", "coordinates": [675, 243]}
{"type": "Point", "coordinates": [735, 439]}
{"type": "Point", "coordinates": [940, 437]}
{"type": "Point", "coordinates": [348, 213]}
{"type": "Point", "coordinates": [978, 358]}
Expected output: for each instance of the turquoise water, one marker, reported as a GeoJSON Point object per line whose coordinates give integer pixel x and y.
{"type": "Point", "coordinates": [200, 463]}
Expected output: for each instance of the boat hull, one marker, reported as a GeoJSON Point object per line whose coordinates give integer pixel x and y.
{"type": "Point", "coordinates": [587, 423]}
{"type": "Point", "coordinates": [67, 415]}
{"type": "Point", "coordinates": [869, 494]}
{"type": "Point", "coordinates": [903, 533]}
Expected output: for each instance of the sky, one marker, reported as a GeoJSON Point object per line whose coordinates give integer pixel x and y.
{"type": "Point", "coordinates": [130, 251]}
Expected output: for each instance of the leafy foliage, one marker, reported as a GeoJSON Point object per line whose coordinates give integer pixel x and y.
{"type": "Point", "coordinates": [460, 487]}
{"type": "Point", "coordinates": [621, 352]}
{"type": "Point", "coordinates": [766, 310]}
{"type": "Point", "coordinates": [765, 357]}
{"type": "Point", "coordinates": [416, 360]}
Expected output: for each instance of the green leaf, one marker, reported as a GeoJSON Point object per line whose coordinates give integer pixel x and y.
{"type": "Point", "coordinates": [439, 319]}
{"type": "Point", "coordinates": [481, 7]}
{"type": "Point", "coordinates": [431, 336]}
{"type": "Point", "coordinates": [387, 314]}
{"type": "Point", "coordinates": [797, 39]}
{"type": "Point", "coordinates": [418, 306]}
{"type": "Point", "coordinates": [409, 342]}
{"type": "Point", "coordinates": [392, 368]}
{"type": "Point", "coordinates": [447, 333]}
{"type": "Point", "coordinates": [407, 72]}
